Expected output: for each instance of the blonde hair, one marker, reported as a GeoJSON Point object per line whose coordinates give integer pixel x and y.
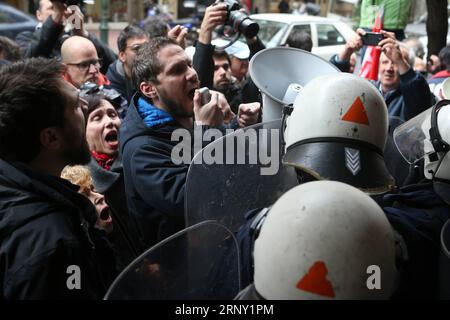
{"type": "Point", "coordinates": [79, 175]}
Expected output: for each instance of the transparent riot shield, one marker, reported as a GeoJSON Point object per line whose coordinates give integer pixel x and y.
{"type": "Point", "coordinates": [444, 263]}
{"type": "Point", "coordinates": [237, 173]}
{"type": "Point", "coordinates": [199, 262]}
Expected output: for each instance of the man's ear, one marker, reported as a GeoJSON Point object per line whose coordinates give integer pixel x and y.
{"type": "Point", "coordinates": [148, 89]}
{"type": "Point", "coordinates": [122, 56]}
{"type": "Point", "coordinates": [39, 15]}
{"type": "Point", "coordinates": [66, 74]}
{"type": "Point", "coordinates": [50, 138]}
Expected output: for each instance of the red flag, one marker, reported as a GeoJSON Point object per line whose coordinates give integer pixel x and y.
{"type": "Point", "coordinates": [248, 5]}
{"type": "Point", "coordinates": [369, 67]}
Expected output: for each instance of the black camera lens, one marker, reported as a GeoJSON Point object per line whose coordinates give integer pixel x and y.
{"type": "Point", "coordinates": [242, 23]}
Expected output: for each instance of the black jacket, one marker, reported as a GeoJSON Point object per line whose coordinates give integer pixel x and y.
{"type": "Point", "coordinates": [46, 42]}
{"type": "Point", "coordinates": [45, 227]}
{"type": "Point", "coordinates": [119, 81]}
{"type": "Point", "coordinates": [154, 184]}
{"type": "Point", "coordinates": [124, 237]}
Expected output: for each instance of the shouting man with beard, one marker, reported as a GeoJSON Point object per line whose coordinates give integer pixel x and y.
{"type": "Point", "coordinates": [167, 99]}
{"type": "Point", "coordinates": [49, 248]}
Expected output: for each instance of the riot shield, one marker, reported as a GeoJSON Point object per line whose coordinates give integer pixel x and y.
{"type": "Point", "coordinates": [237, 173]}
{"type": "Point", "coordinates": [444, 263]}
{"type": "Point", "coordinates": [199, 262]}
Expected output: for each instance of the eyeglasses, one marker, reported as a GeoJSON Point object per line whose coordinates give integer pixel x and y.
{"type": "Point", "coordinates": [85, 65]}
{"type": "Point", "coordinates": [225, 66]}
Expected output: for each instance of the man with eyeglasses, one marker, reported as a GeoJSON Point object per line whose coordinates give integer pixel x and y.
{"type": "Point", "coordinates": [80, 57]}
{"type": "Point", "coordinates": [57, 21]}
{"type": "Point", "coordinates": [119, 73]}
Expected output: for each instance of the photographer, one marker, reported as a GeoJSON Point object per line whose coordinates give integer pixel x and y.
{"type": "Point", "coordinates": [343, 59]}
{"type": "Point", "coordinates": [58, 21]}
{"type": "Point", "coordinates": [205, 64]}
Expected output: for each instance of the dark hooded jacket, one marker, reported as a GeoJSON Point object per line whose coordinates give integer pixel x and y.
{"type": "Point", "coordinates": [45, 228]}
{"type": "Point", "coordinates": [154, 184]}
{"type": "Point", "coordinates": [124, 236]}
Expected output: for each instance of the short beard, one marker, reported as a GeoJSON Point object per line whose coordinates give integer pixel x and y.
{"type": "Point", "coordinates": [77, 155]}
{"type": "Point", "coordinates": [223, 88]}
{"type": "Point", "coordinates": [174, 110]}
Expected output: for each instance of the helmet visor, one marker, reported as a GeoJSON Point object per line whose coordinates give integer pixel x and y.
{"type": "Point", "coordinates": [412, 137]}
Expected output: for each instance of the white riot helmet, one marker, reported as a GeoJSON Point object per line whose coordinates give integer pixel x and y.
{"type": "Point", "coordinates": [338, 131]}
{"type": "Point", "coordinates": [427, 137]}
{"type": "Point", "coordinates": [324, 240]}
{"type": "Point", "coordinates": [445, 89]}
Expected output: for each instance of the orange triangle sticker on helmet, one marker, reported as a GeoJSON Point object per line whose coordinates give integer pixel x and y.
{"type": "Point", "coordinates": [315, 281]}
{"type": "Point", "coordinates": [356, 113]}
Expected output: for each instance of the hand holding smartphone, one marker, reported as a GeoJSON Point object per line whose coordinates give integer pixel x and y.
{"type": "Point", "coordinates": [205, 95]}
{"type": "Point", "coordinates": [372, 38]}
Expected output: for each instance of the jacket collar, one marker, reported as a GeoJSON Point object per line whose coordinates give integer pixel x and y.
{"type": "Point", "coordinates": [151, 115]}
{"type": "Point", "coordinates": [19, 176]}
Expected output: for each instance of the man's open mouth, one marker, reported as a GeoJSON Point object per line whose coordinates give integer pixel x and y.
{"type": "Point", "coordinates": [191, 93]}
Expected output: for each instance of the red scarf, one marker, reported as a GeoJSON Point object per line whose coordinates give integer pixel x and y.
{"type": "Point", "coordinates": [101, 81]}
{"type": "Point", "coordinates": [441, 74]}
{"type": "Point", "coordinates": [105, 161]}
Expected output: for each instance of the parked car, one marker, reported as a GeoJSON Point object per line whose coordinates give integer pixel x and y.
{"type": "Point", "coordinates": [328, 35]}
{"type": "Point", "coordinates": [14, 21]}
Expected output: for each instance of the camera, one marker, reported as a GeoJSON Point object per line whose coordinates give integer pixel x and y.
{"type": "Point", "coordinates": [372, 38]}
{"type": "Point", "coordinates": [239, 21]}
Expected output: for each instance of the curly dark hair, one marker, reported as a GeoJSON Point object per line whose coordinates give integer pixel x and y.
{"type": "Point", "coordinates": [31, 99]}
{"type": "Point", "coordinates": [300, 39]}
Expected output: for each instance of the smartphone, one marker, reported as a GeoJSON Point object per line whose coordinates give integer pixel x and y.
{"type": "Point", "coordinates": [205, 95]}
{"type": "Point", "coordinates": [372, 38]}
